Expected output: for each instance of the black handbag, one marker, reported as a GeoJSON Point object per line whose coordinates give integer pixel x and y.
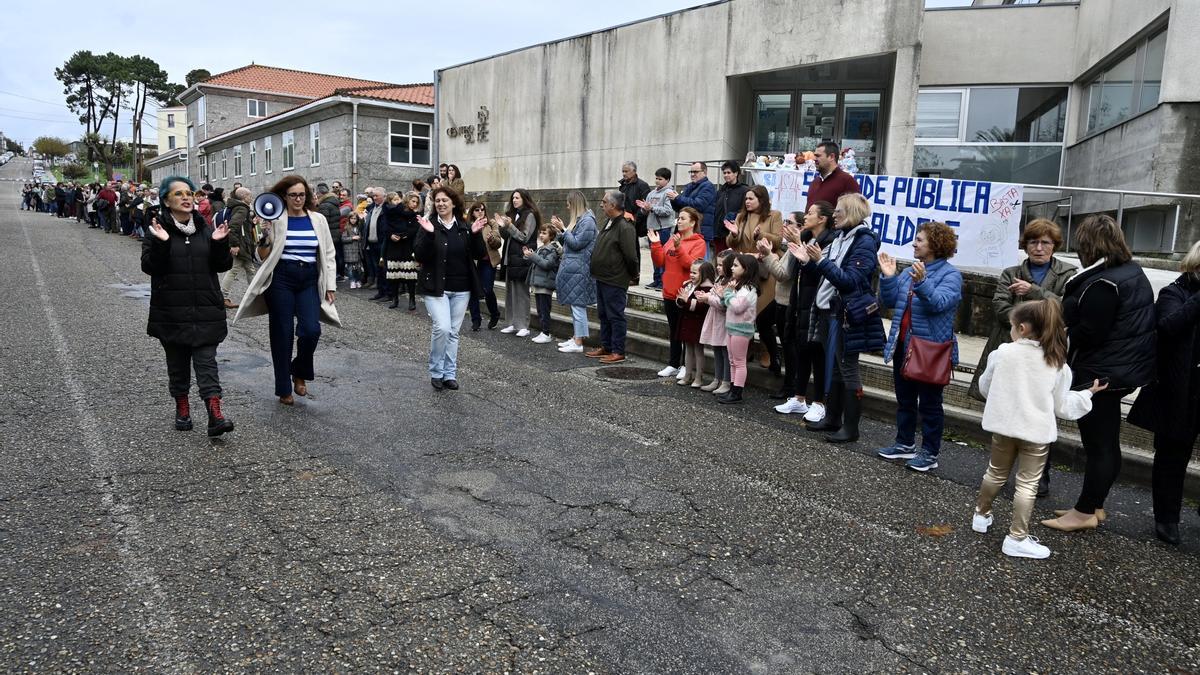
{"type": "Point", "coordinates": [860, 308]}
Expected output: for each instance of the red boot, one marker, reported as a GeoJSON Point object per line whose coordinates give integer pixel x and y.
{"type": "Point", "coordinates": [217, 423]}
{"type": "Point", "coordinates": [183, 413]}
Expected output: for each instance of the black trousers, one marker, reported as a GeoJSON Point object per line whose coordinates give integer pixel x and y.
{"type": "Point", "coordinates": [786, 348]}
{"type": "Point", "coordinates": [1100, 431]}
{"type": "Point", "coordinates": [181, 359]}
{"type": "Point", "coordinates": [543, 311]}
{"type": "Point", "coordinates": [765, 323]}
{"type": "Point", "coordinates": [673, 312]}
{"type": "Point", "coordinates": [1171, 457]}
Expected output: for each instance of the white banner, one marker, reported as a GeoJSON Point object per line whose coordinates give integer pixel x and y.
{"type": "Point", "coordinates": [986, 216]}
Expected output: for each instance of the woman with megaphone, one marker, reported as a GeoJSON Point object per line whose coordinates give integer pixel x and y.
{"type": "Point", "coordinates": [295, 286]}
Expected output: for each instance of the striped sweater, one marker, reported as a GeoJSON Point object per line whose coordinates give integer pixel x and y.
{"type": "Point", "coordinates": [301, 242]}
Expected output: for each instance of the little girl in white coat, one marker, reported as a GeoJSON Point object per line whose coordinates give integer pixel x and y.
{"type": "Point", "coordinates": [1027, 383]}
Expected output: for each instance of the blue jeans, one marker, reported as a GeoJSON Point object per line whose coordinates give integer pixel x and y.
{"type": "Point", "coordinates": [446, 312]}
{"type": "Point", "coordinates": [610, 305]}
{"type": "Point", "coordinates": [371, 265]}
{"type": "Point", "coordinates": [294, 307]}
{"type": "Point", "coordinates": [487, 279]}
{"type": "Point", "coordinates": [664, 235]}
{"type": "Point", "coordinates": [913, 398]}
{"type": "Point", "coordinates": [579, 320]}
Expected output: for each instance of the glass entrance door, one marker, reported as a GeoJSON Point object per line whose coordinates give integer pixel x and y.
{"type": "Point", "coordinates": [860, 128]}
{"type": "Point", "coordinates": [818, 114]}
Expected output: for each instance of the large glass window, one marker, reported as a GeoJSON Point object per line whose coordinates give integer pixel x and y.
{"type": "Point", "coordinates": [772, 132]}
{"type": "Point", "coordinates": [289, 150]}
{"type": "Point", "coordinates": [1129, 86]}
{"type": "Point", "coordinates": [253, 157]}
{"type": "Point", "coordinates": [314, 143]}
{"type": "Point", "coordinates": [237, 161]}
{"type": "Point", "coordinates": [1005, 134]}
{"type": "Point", "coordinates": [409, 143]}
{"type": "Point", "coordinates": [267, 155]}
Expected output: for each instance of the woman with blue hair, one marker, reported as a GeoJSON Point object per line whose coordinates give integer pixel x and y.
{"type": "Point", "coordinates": [183, 254]}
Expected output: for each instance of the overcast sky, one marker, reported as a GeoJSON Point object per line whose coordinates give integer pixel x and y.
{"type": "Point", "coordinates": [398, 42]}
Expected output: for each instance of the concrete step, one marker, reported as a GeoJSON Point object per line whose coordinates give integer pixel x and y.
{"type": "Point", "coordinates": [647, 339]}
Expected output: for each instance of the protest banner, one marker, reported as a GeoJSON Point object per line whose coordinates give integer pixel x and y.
{"type": "Point", "coordinates": [985, 215]}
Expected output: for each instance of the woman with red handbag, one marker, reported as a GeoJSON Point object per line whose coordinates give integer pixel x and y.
{"type": "Point", "coordinates": [921, 343]}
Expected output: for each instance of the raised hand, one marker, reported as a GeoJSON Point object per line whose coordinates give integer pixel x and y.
{"type": "Point", "coordinates": [478, 225]}
{"type": "Point", "coordinates": [556, 222]}
{"type": "Point", "coordinates": [918, 272]}
{"type": "Point", "coordinates": [798, 252]}
{"type": "Point", "coordinates": [158, 231]}
{"type": "Point", "coordinates": [425, 224]}
{"type": "Point", "coordinates": [887, 264]}
{"type": "Point", "coordinates": [676, 238]}
{"type": "Point", "coordinates": [814, 251]}
{"type": "Point", "coordinates": [221, 232]}
{"type": "Point", "coordinates": [763, 246]}
{"type": "Point", "coordinates": [731, 226]}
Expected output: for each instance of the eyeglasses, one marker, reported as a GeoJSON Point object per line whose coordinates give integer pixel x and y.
{"type": "Point", "coordinates": [789, 221]}
{"type": "Point", "coordinates": [695, 172]}
{"type": "Point", "coordinates": [183, 193]}
{"type": "Point", "coordinates": [297, 195]}
{"type": "Point", "coordinates": [1039, 243]}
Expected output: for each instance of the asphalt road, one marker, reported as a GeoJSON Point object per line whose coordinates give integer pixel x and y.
{"type": "Point", "coordinates": [546, 518]}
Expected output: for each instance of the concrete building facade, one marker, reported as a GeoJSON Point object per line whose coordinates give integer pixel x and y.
{"type": "Point", "coordinates": [1088, 93]}
{"type": "Point", "coordinates": [172, 128]}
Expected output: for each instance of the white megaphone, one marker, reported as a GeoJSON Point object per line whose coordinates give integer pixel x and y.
{"type": "Point", "coordinates": [268, 206]}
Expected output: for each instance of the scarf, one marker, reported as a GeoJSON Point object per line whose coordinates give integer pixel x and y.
{"type": "Point", "coordinates": [837, 253]}
{"type": "Point", "coordinates": [188, 228]}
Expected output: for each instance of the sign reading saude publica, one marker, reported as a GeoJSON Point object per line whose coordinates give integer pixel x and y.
{"type": "Point", "coordinates": [986, 216]}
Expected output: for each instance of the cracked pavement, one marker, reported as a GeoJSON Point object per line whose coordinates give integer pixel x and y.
{"type": "Point", "coordinates": [542, 519]}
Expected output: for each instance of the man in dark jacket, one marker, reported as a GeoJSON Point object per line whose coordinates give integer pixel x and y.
{"type": "Point", "coordinates": [831, 181]}
{"type": "Point", "coordinates": [107, 210]}
{"type": "Point", "coordinates": [124, 202]}
{"type": "Point", "coordinates": [614, 266]}
{"type": "Point", "coordinates": [329, 206]}
{"type": "Point", "coordinates": [241, 243]}
{"type": "Point", "coordinates": [730, 197]}
{"type": "Point", "coordinates": [633, 189]}
{"type": "Point", "coordinates": [700, 194]}
{"type": "Point", "coordinates": [60, 201]}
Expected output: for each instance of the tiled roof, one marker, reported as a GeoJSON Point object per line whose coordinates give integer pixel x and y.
{"type": "Point", "coordinates": [289, 82]}
{"type": "Point", "coordinates": [417, 94]}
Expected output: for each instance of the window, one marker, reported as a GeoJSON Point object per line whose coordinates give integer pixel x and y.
{"type": "Point", "coordinates": [314, 142]}
{"type": "Point", "coordinates": [204, 174]}
{"type": "Point", "coordinates": [170, 120]}
{"type": "Point", "coordinates": [1126, 88]}
{"type": "Point", "coordinates": [212, 167]}
{"type": "Point", "coordinates": [772, 113]}
{"type": "Point", "coordinates": [408, 143]}
{"type": "Point", "coordinates": [289, 150]}
{"type": "Point", "coordinates": [1006, 134]}
{"type": "Point", "coordinates": [170, 142]}
{"type": "Point", "coordinates": [224, 164]}
{"type": "Point", "coordinates": [200, 110]}
{"type": "Point", "coordinates": [267, 155]}
{"type": "Point", "coordinates": [191, 136]}
{"type": "Point", "coordinates": [256, 108]}
{"type": "Point", "coordinates": [253, 156]}
{"type": "Point", "coordinates": [237, 161]}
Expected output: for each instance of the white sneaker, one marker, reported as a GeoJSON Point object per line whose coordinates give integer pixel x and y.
{"type": "Point", "coordinates": [1029, 547]}
{"type": "Point", "coordinates": [980, 522]}
{"type": "Point", "coordinates": [668, 372]}
{"type": "Point", "coordinates": [567, 342]}
{"type": "Point", "coordinates": [816, 412]}
{"type": "Point", "coordinates": [792, 406]}
{"type": "Point", "coordinates": [682, 374]}
{"type": "Point", "coordinates": [508, 329]}
{"type": "Point", "coordinates": [542, 338]}
{"type": "Point", "coordinates": [571, 348]}
{"type": "Point", "coordinates": [524, 332]}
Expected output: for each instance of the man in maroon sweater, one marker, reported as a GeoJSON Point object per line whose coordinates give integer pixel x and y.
{"type": "Point", "coordinates": [108, 216]}
{"type": "Point", "coordinates": [831, 182]}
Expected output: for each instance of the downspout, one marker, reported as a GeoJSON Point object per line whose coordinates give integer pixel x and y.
{"type": "Point", "coordinates": [354, 152]}
{"type": "Point", "coordinates": [437, 107]}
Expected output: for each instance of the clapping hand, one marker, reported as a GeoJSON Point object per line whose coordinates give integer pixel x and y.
{"type": "Point", "coordinates": [425, 224]}
{"type": "Point", "coordinates": [671, 194]}
{"type": "Point", "coordinates": [158, 231]}
{"type": "Point", "coordinates": [918, 272]}
{"type": "Point", "coordinates": [887, 264]}
{"type": "Point", "coordinates": [478, 225]}
{"type": "Point", "coordinates": [675, 239]}
{"type": "Point", "coordinates": [763, 246]}
{"type": "Point", "coordinates": [798, 252]}
{"type": "Point", "coordinates": [791, 233]}
{"type": "Point", "coordinates": [731, 226]}
{"type": "Point", "coordinates": [526, 251]}
{"type": "Point", "coordinates": [557, 223]}
{"type": "Point", "coordinates": [643, 204]}
{"type": "Point", "coordinates": [814, 251]}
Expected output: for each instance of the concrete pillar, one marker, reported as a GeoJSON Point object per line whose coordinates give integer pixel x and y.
{"type": "Point", "coordinates": [902, 120]}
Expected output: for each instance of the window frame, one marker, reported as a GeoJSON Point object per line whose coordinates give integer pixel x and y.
{"type": "Point", "coordinates": [191, 136]}
{"type": "Point", "coordinates": [1138, 50]}
{"type": "Point", "coordinates": [253, 158]}
{"type": "Point", "coordinates": [170, 120]}
{"type": "Point", "coordinates": [201, 110]}
{"type": "Point", "coordinates": [224, 163]}
{"type": "Point", "coordinates": [285, 146]}
{"type": "Point", "coordinates": [410, 138]}
{"type": "Point", "coordinates": [964, 110]}
{"type": "Point", "coordinates": [237, 161]}
{"type": "Point", "coordinates": [171, 142]}
{"type": "Point", "coordinates": [267, 168]}
{"type": "Point", "coordinates": [260, 108]}
{"type": "Point", "coordinates": [314, 144]}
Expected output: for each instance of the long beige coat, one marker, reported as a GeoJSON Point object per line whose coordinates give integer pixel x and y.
{"type": "Point", "coordinates": [255, 304]}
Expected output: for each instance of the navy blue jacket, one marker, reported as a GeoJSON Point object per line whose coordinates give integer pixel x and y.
{"type": "Point", "coordinates": [702, 196]}
{"type": "Point", "coordinates": [853, 278]}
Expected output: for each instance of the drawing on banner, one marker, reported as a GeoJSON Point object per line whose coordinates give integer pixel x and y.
{"type": "Point", "coordinates": [986, 216]}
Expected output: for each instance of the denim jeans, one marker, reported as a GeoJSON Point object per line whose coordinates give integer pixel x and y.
{"type": "Point", "coordinates": [913, 398]}
{"type": "Point", "coordinates": [542, 300]}
{"type": "Point", "coordinates": [610, 304]}
{"type": "Point", "coordinates": [579, 320]}
{"type": "Point", "coordinates": [487, 279]}
{"type": "Point", "coordinates": [446, 312]}
{"type": "Point", "coordinates": [294, 307]}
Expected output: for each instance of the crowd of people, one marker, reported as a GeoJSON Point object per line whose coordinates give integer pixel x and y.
{"type": "Point", "coordinates": [808, 290]}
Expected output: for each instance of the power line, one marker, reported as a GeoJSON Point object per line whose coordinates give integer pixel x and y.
{"type": "Point", "coordinates": [9, 93]}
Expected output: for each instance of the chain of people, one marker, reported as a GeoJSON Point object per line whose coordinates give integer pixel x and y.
{"type": "Point", "coordinates": [803, 292]}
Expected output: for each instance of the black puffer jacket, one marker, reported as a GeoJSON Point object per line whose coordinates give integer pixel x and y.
{"type": "Point", "coordinates": [186, 305]}
{"type": "Point", "coordinates": [1109, 312]}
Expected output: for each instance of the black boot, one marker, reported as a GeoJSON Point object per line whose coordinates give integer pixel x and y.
{"type": "Point", "coordinates": [834, 401]}
{"type": "Point", "coordinates": [183, 413]}
{"type": "Point", "coordinates": [1167, 532]}
{"type": "Point", "coordinates": [217, 422]}
{"type": "Point", "coordinates": [734, 395]}
{"type": "Point", "coordinates": [395, 299]}
{"type": "Point", "coordinates": [852, 407]}
{"type": "Point", "coordinates": [412, 296]}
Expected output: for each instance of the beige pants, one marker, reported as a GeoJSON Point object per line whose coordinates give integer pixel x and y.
{"type": "Point", "coordinates": [1031, 461]}
{"type": "Point", "coordinates": [240, 265]}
